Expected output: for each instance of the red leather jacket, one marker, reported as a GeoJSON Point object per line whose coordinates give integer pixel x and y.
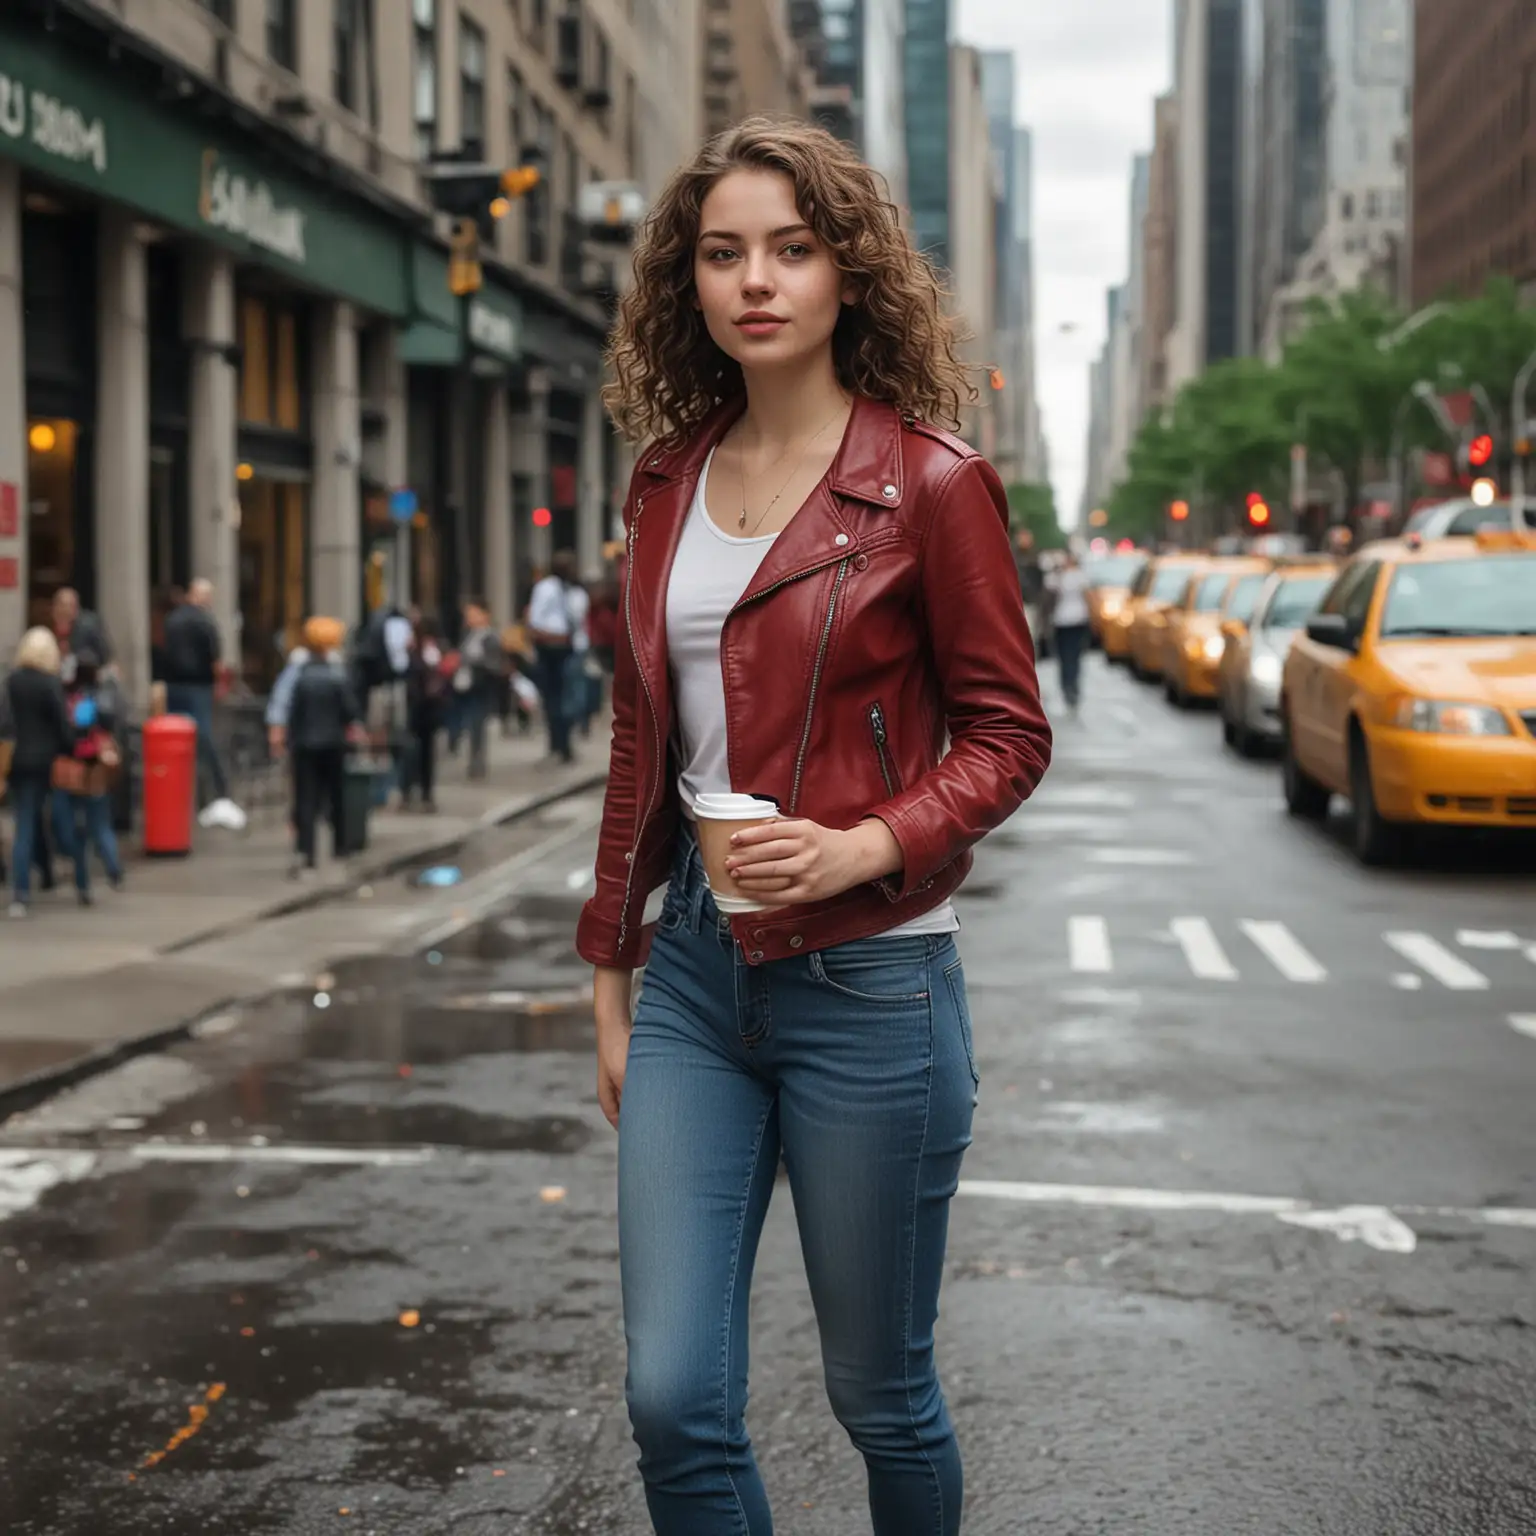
{"type": "Point", "coordinates": [884, 619]}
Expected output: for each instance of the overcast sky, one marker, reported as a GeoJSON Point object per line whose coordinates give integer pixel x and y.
{"type": "Point", "coordinates": [1088, 71]}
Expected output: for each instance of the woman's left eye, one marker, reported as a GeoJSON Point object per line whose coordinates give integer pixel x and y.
{"type": "Point", "coordinates": [797, 250]}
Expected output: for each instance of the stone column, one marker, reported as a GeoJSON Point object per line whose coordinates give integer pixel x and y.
{"type": "Point", "coordinates": [530, 457]}
{"type": "Point", "coordinates": [122, 450]}
{"type": "Point", "coordinates": [335, 511]}
{"type": "Point", "coordinates": [499, 539]}
{"type": "Point", "coordinates": [13, 415]}
{"type": "Point", "coordinates": [591, 487]}
{"type": "Point", "coordinates": [212, 493]}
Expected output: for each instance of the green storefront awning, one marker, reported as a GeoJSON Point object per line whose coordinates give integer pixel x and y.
{"type": "Point", "coordinates": [425, 344]}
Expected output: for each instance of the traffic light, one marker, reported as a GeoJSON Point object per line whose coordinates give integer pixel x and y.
{"type": "Point", "coordinates": [996, 379]}
{"type": "Point", "coordinates": [464, 258]}
{"type": "Point", "coordinates": [483, 193]}
{"type": "Point", "coordinates": [1258, 511]}
{"type": "Point", "coordinates": [1480, 450]}
{"type": "Point", "coordinates": [1179, 511]}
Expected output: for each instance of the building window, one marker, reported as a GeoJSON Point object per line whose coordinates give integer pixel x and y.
{"type": "Point", "coordinates": [516, 129]}
{"type": "Point", "coordinates": [471, 88]}
{"type": "Point", "coordinates": [536, 205]}
{"type": "Point", "coordinates": [599, 87]}
{"type": "Point", "coordinates": [221, 10]}
{"type": "Point", "coordinates": [538, 23]}
{"type": "Point", "coordinates": [344, 50]}
{"type": "Point", "coordinates": [424, 76]}
{"type": "Point", "coordinates": [282, 33]}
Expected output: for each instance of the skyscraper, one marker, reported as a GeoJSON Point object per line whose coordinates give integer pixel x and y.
{"type": "Point", "coordinates": [927, 88]}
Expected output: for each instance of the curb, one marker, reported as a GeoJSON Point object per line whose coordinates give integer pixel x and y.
{"type": "Point", "coordinates": [28, 1092]}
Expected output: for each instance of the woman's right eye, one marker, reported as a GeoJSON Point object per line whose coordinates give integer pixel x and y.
{"type": "Point", "coordinates": [721, 250]}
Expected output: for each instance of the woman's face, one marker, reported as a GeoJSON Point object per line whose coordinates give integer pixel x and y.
{"type": "Point", "coordinates": [769, 290]}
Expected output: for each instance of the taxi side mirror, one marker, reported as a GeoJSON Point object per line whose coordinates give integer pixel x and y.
{"type": "Point", "coordinates": [1234, 629]}
{"type": "Point", "coordinates": [1333, 629]}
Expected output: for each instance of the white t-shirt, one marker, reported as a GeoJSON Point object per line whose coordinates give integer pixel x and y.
{"type": "Point", "coordinates": [552, 607]}
{"type": "Point", "coordinates": [711, 571]}
{"type": "Point", "coordinates": [1071, 588]}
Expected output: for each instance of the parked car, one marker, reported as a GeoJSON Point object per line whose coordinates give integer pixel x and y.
{"type": "Point", "coordinates": [1413, 690]}
{"type": "Point", "coordinates": [1459, 518]}
{"type": "Point", "coordinates": [1193, 641]}
{"type": "Point", "coordinates": [1248, 679]}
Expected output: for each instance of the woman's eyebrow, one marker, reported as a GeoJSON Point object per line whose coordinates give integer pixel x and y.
{"type": "Point", "coordinates": [773, 234]}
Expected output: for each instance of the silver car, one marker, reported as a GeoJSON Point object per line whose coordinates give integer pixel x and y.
{"type": "Point", "coordinates": [1248, 685]}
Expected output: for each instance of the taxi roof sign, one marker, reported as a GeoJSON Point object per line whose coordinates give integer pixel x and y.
{"type": "Point", "coordinates": [1504, 540]}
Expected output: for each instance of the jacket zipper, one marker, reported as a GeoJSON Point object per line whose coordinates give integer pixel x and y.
{"type": "Point", "coordinates": [810, 707]}
{"type": "Point", "coordinates": [640, 821]}
{"type": "Point", "coordinates": [877, 729]}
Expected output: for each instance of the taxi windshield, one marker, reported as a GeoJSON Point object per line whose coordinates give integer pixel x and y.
{"type": "Point", "coordinates": [1114, 570]}
{"type": "Point", "coordinates": [1295, 601]}
{"type": "Point", "coordinates": [1455, 599]}
{"type": "Point", "coordinates": [1245, 596]}
{"type": "Point", "coordinates": [1210, 592]}
{"type": "Point", "coordinates": [1169, 583]}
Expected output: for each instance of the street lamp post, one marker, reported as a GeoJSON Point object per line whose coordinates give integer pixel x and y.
{"type": "Point", "coordinates": [1517, 431]}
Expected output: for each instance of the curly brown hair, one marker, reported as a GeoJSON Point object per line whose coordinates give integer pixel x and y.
{"type": "Point", "coordinates": [895, 343]}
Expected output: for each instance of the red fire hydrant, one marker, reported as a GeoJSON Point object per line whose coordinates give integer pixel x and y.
{"type": "Point", "coordinates": [170, 783]}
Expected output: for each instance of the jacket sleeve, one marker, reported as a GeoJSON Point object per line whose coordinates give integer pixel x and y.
{"type": "Point", "coordinates": [597, 933]}
{"type": "Point", "coordinates": [281, 700]}
{"type": "Point", "coordinates": [1000, 740]}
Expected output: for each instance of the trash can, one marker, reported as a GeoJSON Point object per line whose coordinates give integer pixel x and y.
{"type": "Point", "coordinates": [357, 803]}
{"type": "Point", "coordinates": [169, 756]}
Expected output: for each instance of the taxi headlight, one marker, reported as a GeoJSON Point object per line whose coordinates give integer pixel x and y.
{"type": "Point", "coordinates": [1266, 669]}
{"type": "Point", "coordinates": [1214, 646]}
{"type": "Point", "coordinates": [1110, 605]}
{"type": "Point", "coordinates": [1449, 717]}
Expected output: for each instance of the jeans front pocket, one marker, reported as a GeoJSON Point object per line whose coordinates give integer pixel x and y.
{"type": "Point", "coordinates": [875, 970]}
{"type": "Point", "coordinates": [954, 978]}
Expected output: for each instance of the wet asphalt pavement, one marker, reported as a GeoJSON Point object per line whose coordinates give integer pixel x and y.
{"type": "Point", "coordinates": [1248, 1242]}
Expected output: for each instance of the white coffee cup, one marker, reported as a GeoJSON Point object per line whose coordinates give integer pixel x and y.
{"type": "Point", "coordinates": [718, 816]}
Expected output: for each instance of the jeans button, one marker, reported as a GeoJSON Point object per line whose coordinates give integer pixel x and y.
{"type": "Point", "coordinates": [796, 942]}
{"type": "Point", "coordinates": [756, 956]}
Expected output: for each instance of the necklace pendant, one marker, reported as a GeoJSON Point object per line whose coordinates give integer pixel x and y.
{"type": "Point", "coordinates": [741, 522]}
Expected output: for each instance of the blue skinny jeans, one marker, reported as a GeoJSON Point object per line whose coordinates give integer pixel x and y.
{"type": "Point", "coordinates": [857, 1064]}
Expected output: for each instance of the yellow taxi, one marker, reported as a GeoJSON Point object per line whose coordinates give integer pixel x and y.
{"type": "Point", "coordinates": [1110, 579]}
{"type": "Point", "coordinates": [1164, 580]}
{"type": "Point", "coordinates": [1412, 690]}
{"type": "Point", "coordinates": [1195, 637]}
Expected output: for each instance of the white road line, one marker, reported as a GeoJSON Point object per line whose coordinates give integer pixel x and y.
{"type": "Point", "coordinates": [1377, 1226]}
{"type": "Point", "coordinates": [1434, 958]}
{"type": "Point", "coordinates": [299, 1155]}
{"type": "Point", "coordinates": [1088, 941]}
{"type": "Point", "coordinates": [1202, 949]}
{"type": "Point", "coordinates": [1284, 951]}
{"type": "Point", "coordinates": [1523, 1024]}
{"type": "Point", "coordinates": [1475, 938]}
{"type": "Point", "coordinates": [1146, 858]}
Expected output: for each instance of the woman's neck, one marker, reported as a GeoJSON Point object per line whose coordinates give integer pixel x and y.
{"type": "Point", "coordinates": [789, 405]}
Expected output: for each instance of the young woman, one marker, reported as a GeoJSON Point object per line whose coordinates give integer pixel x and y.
{"type": "Point", "coordinates": [818, 594]}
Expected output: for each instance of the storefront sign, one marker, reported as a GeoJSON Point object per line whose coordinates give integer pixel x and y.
{"type": "Point", "coordinates": [9, 509]}
{"type": "Point", "coordinates": [71, 117]}
{"type": "Point", "coordinates": [229, 202]}
{"type": "Point", "coordinates": [10, 573]}
{"type": "Point", "coordinates": [494, 330]}
{"type": "Point", "coordinates": [53, 126]}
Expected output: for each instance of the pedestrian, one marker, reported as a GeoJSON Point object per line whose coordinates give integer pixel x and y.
{"type": "Point", "coordinates": [426, 703]}
{"type": "Point", "coordinates": [818, 594]}
{"type": "Point", "coordinates": [323, 716]}
{"type": "Point", "coordinates": [1026, 560]}
{"type": "Point", "coordinates": [1067, 598]}
{"type": "Point", "coordinates": [82, 783]}
{"type": "Point", "coordinates": [77, 630]}
{"type": "Point", "coordinates": [478, 680]}
{"type": "Point", "coordinates": [555, 614]}
{"type": "Point", "coordinates": [40, 735]}
{"type": "Point", "coordinates": [193, 662]}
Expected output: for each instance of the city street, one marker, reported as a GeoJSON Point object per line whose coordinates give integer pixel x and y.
{"type": "Point", "coordinates": [1246, 1242]}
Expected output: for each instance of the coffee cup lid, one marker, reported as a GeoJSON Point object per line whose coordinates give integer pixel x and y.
{"type": "Point", "coordinates": [733, 807]}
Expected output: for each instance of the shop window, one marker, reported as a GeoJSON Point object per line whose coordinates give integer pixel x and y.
{"type": "Point", "coordinates": [53, 450]}
{"type": "Point", "coordinates": [273, 388]}
{"type": "Point", "coordinates": [289, 413]}
{"type": "Point", "coordinates": [282, 33]}
{"type": "Point", "coordinates": [471, 89]}
{"type": "Point", "coordinates": [255, 363]}
{"type": "Point", "coordinates": [274, 549]}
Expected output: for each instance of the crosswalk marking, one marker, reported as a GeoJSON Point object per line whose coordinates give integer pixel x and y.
{"type": "Point", "coordinates": [1088, 943]}
{"type": "Point", "coordinates": [1284, 951]}
{"type": "Point", "coordinates": [1523, 1024]}
{"type": "Point", "coordinates": [1434, 958]}
{"type": "Point", "coordinates": [1202, 949]}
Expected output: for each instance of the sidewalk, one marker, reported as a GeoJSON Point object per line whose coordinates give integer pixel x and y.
{"type": "Point", "coordinates": [71, 978]}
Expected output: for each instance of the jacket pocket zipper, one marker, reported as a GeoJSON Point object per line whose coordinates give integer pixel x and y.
{"type": "Point", "coordinates": [878, 731]}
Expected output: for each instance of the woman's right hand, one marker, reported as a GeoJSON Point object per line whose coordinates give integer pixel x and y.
{"type": "Point", "coordinates": [611, 1007]}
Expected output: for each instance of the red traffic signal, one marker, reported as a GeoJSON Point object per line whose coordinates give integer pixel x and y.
{"type": "Point", "coordinates": [1480, 450]}
{"type": "Point", "coordinates": [1258, 512]}
{"type": "Point", "coordinates": [1179, 511]}
{"type": "Point", "coordinates": [542, 517]}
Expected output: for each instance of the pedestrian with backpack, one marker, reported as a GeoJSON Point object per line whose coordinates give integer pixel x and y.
{"type": "Point", "coordinates": [426, 708]}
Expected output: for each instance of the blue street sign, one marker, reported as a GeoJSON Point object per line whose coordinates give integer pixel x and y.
{"type": "Point", "coordinates": [402, 504]}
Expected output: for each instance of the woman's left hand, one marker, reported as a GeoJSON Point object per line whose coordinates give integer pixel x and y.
{"type": "Point", "coordinates": [787, 861]}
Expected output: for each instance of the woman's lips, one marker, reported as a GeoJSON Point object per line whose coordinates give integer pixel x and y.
{"type": "Point", "coordinates": [760, 327]}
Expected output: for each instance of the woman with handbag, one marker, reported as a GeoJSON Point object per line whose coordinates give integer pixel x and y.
{"type": "Point", "coordinates": [83, 780]}
{"type": "Point", "coordinates": [42, 734]}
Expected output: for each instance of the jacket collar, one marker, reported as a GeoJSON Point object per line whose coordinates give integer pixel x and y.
{"type": "Point", "coordinates": [868, 466]}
